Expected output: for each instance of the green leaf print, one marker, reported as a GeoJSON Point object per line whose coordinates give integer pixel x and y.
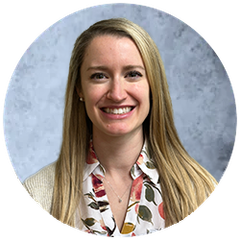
{"type": "Point", "coordinates": [149, 194]}
{"type": "Point", "coordinates": [90, 195]}
{"type": "Point", "coordinates": [89, 221]}
{"type": "Point", "coordinates": [132, 205]}
{"type": "Point", "coordinates": [133, 171]}
{"type": "Point", "coordinates": [103, 205]}
{"type": "Point", "coordinates": [102, 233]}
{"type": "Point", "coordinates": [153, 185]}
{"type": "Point", "coordinates": [93, 205]}
{"type": "Point", "coordinates": [150, 165]}
{"type": "Point", "coordinates": [146, 153]}
{"type": "Point", "coordinates": [144, 213]}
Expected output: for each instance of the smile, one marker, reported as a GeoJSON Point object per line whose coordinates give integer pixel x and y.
{"type": "Point", "coordinates": [117, 111]}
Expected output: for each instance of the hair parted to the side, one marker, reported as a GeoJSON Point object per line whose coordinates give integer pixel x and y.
{"type": "Point", "coordinates": [184, 183]}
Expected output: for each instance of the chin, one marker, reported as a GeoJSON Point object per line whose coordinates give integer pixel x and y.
{"type": "Point", "coordinates": [118, 133]}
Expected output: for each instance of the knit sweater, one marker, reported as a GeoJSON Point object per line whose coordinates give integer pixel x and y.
{"type": "Point", "coordinates": [40, 186]}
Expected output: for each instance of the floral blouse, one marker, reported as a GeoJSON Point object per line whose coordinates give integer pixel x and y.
{"type": "Point", "coordinates": [145, 209]}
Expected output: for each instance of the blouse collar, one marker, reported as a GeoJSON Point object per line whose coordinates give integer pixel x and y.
{"type": "Point", "coordinates": [143, 165]}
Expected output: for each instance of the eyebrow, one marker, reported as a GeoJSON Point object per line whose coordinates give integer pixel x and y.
{"type": "Point", "coordinates": [125, 68]}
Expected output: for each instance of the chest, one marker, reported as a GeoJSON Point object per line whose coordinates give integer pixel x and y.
{"type": "Point", "coordinates": [118, 197]}
{"type": "Point", "coordinates": [138, 213]}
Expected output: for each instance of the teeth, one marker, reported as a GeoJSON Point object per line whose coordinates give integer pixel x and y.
{"type": "Point", "coordinates": [117, 110]}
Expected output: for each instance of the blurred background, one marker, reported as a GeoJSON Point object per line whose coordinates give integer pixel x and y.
{"type": "Point", "coordinates": [202, 97]}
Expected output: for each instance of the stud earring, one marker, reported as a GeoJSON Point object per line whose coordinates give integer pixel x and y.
{"type": "Point", "coordinates": [81, 99]}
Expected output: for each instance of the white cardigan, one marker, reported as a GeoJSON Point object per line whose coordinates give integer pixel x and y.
{"type": "Point", "coordinates": [40, 186]}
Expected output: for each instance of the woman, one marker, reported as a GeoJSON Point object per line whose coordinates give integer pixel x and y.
{"type": "Point", "coordinates": [122, 169]}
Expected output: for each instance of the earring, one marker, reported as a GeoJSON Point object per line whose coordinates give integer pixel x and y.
{"type": "Point", "coordinates": [81, 99]}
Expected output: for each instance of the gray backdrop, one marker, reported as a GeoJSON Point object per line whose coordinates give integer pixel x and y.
{"type": "Point", "coordinates": [203, 101]}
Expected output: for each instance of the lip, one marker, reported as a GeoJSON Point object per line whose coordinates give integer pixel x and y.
{"type": "Point", "coordinates": [117, 106]}
{"type": "Point", "coordinates": [117, 116]}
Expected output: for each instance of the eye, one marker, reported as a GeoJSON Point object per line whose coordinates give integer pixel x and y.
{"type": "Point", "coordinates": [134, 74]}
{"type": "Point", "coordinates": [98, 76]}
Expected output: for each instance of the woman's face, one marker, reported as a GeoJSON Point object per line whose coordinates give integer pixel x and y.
{"type": "Point", "coordinates": [114, 86]}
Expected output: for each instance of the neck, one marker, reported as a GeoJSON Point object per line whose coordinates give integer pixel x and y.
{"type": "Point", "coordinates": [118, 154]}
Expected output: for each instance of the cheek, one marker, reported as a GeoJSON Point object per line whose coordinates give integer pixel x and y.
{"type": "Point", "coordinates": [91, 95]}
{"type": "Point", "coordinates": [146, 99]}
{"type": "Point", "coordinates": [89, 105]}
{"type": "Point", "coordinates": [142, 93]}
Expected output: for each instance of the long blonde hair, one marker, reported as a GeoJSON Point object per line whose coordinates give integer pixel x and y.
{"type": "Point", "coordinates": [184, 183]}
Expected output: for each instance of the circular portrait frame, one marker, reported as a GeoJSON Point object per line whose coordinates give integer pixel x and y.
{"type": "Point", "coordinates": [33, 111]}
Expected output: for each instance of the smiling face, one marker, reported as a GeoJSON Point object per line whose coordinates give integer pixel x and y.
{"type": "Point", "coordinates": [114, 86]}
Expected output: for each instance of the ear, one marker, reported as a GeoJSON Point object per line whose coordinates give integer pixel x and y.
{"type": "Point", "coordinates": [79, 92]}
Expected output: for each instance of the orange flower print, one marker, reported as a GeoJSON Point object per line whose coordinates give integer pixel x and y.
{"type": "Point", "coordinates": [99, 176]}
{"type": "Point", "coordinates": [136, 189]}
{"type": "Point", "coordinates": [160, 210]}
{"type": "Point", "coordinates": [98, 186]}
{"type": "Point", "coordinates": [140, 159]}
{"type": "Point", "coordinates": [133, 235]}
{"type": "Point", "coordinates": [102, 224]}
{"type": "Point", "coordinates": [136, 208]}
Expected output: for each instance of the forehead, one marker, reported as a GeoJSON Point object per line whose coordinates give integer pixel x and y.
{"type": "Point", "coordinates": [112, 50]}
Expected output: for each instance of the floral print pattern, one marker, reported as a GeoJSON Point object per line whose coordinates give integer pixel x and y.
{"type": "Point", "coordinates": [145, 209]}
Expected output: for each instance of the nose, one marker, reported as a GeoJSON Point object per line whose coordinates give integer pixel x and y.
{"type": "Point", "coordinates": [117, 91]}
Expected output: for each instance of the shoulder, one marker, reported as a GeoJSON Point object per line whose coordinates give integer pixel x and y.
{"type": "Point", "coordinates": [40, 186]}
{"type": "Point", "coordinates": [44, 176]}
